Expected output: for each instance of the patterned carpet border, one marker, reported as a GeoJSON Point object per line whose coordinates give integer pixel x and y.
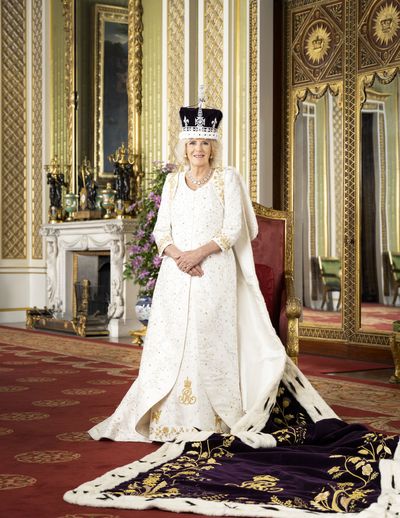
{"type": "Point", "coordinates": [82, 348]}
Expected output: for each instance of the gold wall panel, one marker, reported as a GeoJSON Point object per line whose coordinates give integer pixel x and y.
{"type": "Point", "coordinates": [69, 63]}
{"type": "Point", "coordinates": [378, 33]}
{"type": "Point", "coordinates": [135, 75]}
{"type": "Point", "coordinates": [214, 52]}
{"type": "Point", "coordinates": [151, 86]}
{"type": "Point", "coordinates": [58, 51]}
{"type": "Point", "coordinates": [176, 70]}
{"type": "Point", "coordinates": [253, 119]}
{"type": "Point", "coordinates": [317, 42]}
{"type": "Point", "coordinates": [37, 157]}
{"type": "Point", "coordinates": [350, 295]}
{"type": "Point", "coordinates": [13, 129]}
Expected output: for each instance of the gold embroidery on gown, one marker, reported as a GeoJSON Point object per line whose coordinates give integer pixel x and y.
{"type": "Point", "coordinates": [186, 397]}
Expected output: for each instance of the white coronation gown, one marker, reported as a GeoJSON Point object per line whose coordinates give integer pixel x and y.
{"type": "Point", "coordinates": [211, 358]}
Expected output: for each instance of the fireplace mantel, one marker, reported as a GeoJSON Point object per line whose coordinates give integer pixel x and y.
{"type": "Point", "coordinates": [62, 239]}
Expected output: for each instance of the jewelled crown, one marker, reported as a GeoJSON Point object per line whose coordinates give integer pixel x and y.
{"type": "Point", "coordinates": [199, 122]}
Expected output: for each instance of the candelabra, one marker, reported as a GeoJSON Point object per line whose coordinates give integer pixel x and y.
{"type": "Point", "coordinates": [124, 161]}
{"type": "Point", "coordinates": [56, 179]}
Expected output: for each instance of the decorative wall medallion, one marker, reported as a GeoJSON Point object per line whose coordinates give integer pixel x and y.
{"type": "Point", "coordinates": [385, 24]}
{"type": "Point", "coordinates": [13, 481]}
{"type": "Point", "coordinates": [47, 456]}
{"type": "Point", "coordinates": [378, 33]}
{"type": "Point", "coordinates": [317, 43]}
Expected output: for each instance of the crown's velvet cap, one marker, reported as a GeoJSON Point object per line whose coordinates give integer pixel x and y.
{"type": "Point", "coordinates": [199, 123]}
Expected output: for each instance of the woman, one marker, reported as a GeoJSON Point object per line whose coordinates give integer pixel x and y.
{"type": "Point", "coordinates": [212, 362]}
{"type": "Point", "coordinates": [211, 358]}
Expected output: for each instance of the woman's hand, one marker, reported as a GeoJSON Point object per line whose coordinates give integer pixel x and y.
{"type": "Point", "coordinates": [190, 259]}
{"type": "Point", "coordinates": [197, 271]}
{"type": "Point", "coordinates": [174, 252]}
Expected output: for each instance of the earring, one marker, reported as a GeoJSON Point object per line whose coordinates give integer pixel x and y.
{"type": "Point", "coordinates": [185, 155]}
{"type": "Point", "coordinates": [211, 157]}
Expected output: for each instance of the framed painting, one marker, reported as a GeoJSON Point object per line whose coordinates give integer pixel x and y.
{"type": "Point", "coordinates": [111, 92]}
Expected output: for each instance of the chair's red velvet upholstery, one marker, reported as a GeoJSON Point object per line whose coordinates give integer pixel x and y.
{"type": "Point", "coordinates": [269, 258]}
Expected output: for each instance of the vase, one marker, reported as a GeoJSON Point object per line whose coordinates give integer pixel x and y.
{"type": "Point", "coordinates": [108, 200]}
{"type": "Point", "coordinates": [143, 308]}
{"type": "Point", "coordinates": [71, 205]}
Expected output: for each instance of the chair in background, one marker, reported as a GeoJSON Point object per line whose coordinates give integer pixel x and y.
{"type": "Point", "coordinates": [330, 270]}
{"type": "Point", "coordinates": [394, 262]}
{"type": "Point", "coordinates": [273, 256]}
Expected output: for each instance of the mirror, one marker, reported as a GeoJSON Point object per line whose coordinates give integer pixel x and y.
{"type": "Point", "coordinates": [101, 73]}
{"type": "Point", "coordinates": [379, 216]}
{"type": "Point", "coordinates": [318, 205]}
{"type": "Point", "coordinates": [96, 83]}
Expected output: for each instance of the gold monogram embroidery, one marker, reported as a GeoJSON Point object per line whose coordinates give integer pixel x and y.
{"type": "Point", "coordinates": [261, 483]}
{"type": "Point", "coordinates": [186, 397]}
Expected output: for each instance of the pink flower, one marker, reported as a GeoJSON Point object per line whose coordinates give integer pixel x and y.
{"type": "Point", "coordinates": [157, 260]}
{"type": "Point", "coordinates": [134, 249]}
{"type": "Point", "coordinates": [137, 262]}
{"type": "Point", "coordinates": [150, 285]}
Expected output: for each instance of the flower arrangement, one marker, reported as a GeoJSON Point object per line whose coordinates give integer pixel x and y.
{"type": "Point", "coordinates": [143, 260]}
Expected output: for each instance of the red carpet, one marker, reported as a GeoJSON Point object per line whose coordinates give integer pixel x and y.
{"type": "Point", "coordinates": [49, 399]}
{"type": "Point", "coordinates": [374, 317]}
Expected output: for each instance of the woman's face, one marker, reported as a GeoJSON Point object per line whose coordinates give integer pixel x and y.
{"type": "Point", "coordinates": [198, 152]}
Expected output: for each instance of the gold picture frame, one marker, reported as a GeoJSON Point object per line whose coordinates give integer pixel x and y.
{"type": "Point", "coordinates": [111, 99]}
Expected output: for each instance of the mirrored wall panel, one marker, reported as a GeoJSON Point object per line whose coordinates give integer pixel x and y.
{"type": "Point", "coordinates": [101, 50]}
{"type": "Point", "coordinates": [380, 205]}
{"type": "Point", "coordinates": [318, 206]}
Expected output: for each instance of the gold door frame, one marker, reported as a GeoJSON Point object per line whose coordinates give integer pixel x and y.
{"type": "Point", "coordinates": [310, 73]}
{"type": "Point", "coordinates": [296, 96]}
{"type": "Point", "coordinates": [356, 73]}
{"type": "Point", "coordinates": [365, 81]}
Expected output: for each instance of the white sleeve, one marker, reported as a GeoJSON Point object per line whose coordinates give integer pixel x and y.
{"type": "Point", "coordinates": [162, 228]}
{"type": "Point", "coordinates": [232, 223]}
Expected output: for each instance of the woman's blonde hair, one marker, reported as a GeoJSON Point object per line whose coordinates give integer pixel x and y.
{"type": "Point", "coordinates": [216, 152]}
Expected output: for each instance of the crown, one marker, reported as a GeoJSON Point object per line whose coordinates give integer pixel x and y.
{"type": "Point", "coordinates": [317, 43]}
{"type": "Point", "coordinates": [199, 122]}
{"type": "Point", "coordinates": [386, 24]}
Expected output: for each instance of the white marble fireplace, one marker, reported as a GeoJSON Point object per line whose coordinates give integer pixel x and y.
{"type": "Point", "coordinates": [63, 239]}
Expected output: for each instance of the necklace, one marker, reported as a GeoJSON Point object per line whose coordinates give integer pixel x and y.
{"type": "Point", "coordinates": [199, 182]}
